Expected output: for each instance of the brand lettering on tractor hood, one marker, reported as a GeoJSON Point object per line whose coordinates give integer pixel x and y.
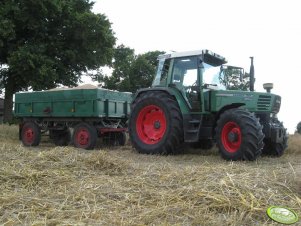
{"type": "Point", "coordinates": [234, 95]}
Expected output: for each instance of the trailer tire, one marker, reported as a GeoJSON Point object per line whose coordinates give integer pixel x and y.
{"type": "Point", "coordinates": [156, 124]}
{"type": "Point", "coordinates": [30, 134]}
{"type": "Point", "coordinates": [121, 138]}
{"type": "Point", "coordinates": [84, 136]}
{"type": "Point", "coordinates": [239, 135]}
{"type": "Point", "coordinates": [115, 139]}
{"type": "Point", "coordinates": [61, 137]}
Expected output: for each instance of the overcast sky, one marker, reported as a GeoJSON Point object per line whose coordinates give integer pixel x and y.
{"type": "Point", "coordinates": [269, 30]}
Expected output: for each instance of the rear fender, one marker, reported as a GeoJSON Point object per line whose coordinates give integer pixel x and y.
{"type": "Point", "coordinates": [184, 108]}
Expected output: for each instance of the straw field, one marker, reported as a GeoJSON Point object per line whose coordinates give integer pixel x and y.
{"type": "Point", "coordinates": [49, 185]}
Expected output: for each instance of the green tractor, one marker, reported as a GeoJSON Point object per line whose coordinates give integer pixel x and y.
{"type": "Point", "coordinates": [189, 103]}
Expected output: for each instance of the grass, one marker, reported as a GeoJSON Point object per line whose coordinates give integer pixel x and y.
{"type": "Point", "coordinates": [49, 185]}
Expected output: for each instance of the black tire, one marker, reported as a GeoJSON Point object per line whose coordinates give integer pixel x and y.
{"type": "Point", "coordinates": [114, 139]}
{"type": "Point", "coordinates": [156, 124]}
{"type": "Point", "coordinates": [275, 149]}
{"type": "Point", "coordinates": [203, 144]}
{"type": "Point", "coordinates": [239, 135]}
{"type": "Point", "coordinates": [30, 134]}
{"type": "Point", "coordinates": [84, 136]}
{"type": "Point", "coordinates": [121, 138]}
{"type": "Point", "coordinates": [61, 137]}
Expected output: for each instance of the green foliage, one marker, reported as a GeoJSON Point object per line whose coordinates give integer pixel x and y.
{"type": "Point", "coordinates": [299, 128]}
{"type": "Point", "coordinates": [232, 79]}
{"type": "Point", "coordinates": [130, 71]}
{"type": "Point", "coordinates": [48, 42]}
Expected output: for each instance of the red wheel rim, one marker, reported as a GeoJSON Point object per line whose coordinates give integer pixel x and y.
{"type": "Point", "coordinates": [231, 137]}
{"type": "Point", "coordinates": [151, 124]}
{"type": "Point", "coordinates": [29, 136]}
{"type": "Point", "coordinates": [83, 137]}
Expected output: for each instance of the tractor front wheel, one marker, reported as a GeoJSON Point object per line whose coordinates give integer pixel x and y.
{"type": "Point", "coordinates": [239, 135]}
{"type": "Point", "coordinates": [156, 124]}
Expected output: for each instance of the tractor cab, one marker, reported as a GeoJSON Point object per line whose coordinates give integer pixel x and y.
{"type": "Point", "coordinates": [190, 72]}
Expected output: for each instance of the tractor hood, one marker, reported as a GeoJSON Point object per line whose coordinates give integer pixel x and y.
{"type": "Point", "coordinates": [253, 101]}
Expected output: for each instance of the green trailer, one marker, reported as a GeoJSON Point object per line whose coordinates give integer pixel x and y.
{"type": "Point", "coordinates": [78, 115]}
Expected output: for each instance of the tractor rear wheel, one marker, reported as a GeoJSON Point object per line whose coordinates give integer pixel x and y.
{"type": "Point", "coordinates": [30, 134]}
{"type": "Point", "coordinates": [156, 124]}
{"type": "Point", "coordinates": [84, 136]}
{"type": "Point", "coordinates": [239, 135]}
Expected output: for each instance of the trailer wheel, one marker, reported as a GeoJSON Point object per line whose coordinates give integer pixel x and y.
{"type": "Point", "coordinates": [239, 135]}
{"type": "Point", "coordinates": [115, 139]}
{"type": "Point", "coordinates": [30, 134]}
{"type": "Point", "coordinates": [121, 138]}
{"type": "Point", "coordinates": [156, 124]}
{"type": "Point", "coordinates": [84, 136]}
{"type": "Point", "coordinates": [61, 137]}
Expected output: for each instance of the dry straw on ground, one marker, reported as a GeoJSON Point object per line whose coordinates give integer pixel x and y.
{"type": "Point", "coordinates": [50, 185]}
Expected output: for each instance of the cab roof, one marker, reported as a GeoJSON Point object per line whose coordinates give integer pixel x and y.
{"type": "Point", "coordinates": [205, 53]}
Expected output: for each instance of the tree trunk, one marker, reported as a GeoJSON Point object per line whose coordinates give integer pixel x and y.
{"type": "Point", "coordinates": [8, 107]}
{"type": "Point", "coordinates": [8, 102]}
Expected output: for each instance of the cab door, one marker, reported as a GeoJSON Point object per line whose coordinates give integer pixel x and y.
{"type": "Point", "coordinates": [186, 78]}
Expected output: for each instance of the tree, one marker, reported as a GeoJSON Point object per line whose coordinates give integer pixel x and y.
{"type": "Point", "coordinates": [299, 128]}
{"type": "Point", "coordinates": [44, 43]}
{"type": "Point", "coordinates": [122, 61]}
{"type": "Point", "coordinates": [235, 79]}
{"type": "Point", "coordinates": [130, 71]}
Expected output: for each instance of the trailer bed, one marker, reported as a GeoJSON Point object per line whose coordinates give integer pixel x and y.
{"type": "Point", "coordinates": [93, 102]}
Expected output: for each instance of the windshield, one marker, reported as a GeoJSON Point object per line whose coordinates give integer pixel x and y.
{"type": "Point", "coordinates": [212, 76]}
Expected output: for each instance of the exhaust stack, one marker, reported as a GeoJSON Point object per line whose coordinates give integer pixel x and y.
{"type": "Point", "coordinates": [252, 76]}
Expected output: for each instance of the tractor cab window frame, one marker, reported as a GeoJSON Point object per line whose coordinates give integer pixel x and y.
{"type": "Point", "coordinates": [162, 72]}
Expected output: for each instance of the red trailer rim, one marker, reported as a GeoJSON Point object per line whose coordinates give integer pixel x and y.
{"type": "Point", "coordinates": [231, 137]}
{"type": "Point", "coordinates": [151, 124]}
{"type": "Point", "coordinates": [82, 137]}
{"type": "Point", "coordinates": [29, 136]}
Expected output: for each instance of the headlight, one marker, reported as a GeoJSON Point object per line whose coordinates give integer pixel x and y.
{"type": "Point", "coordinates": [276, 104]}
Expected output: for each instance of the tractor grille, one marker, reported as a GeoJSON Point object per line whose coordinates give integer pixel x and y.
{"type": "Point", "coordinates": [264, 103]}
